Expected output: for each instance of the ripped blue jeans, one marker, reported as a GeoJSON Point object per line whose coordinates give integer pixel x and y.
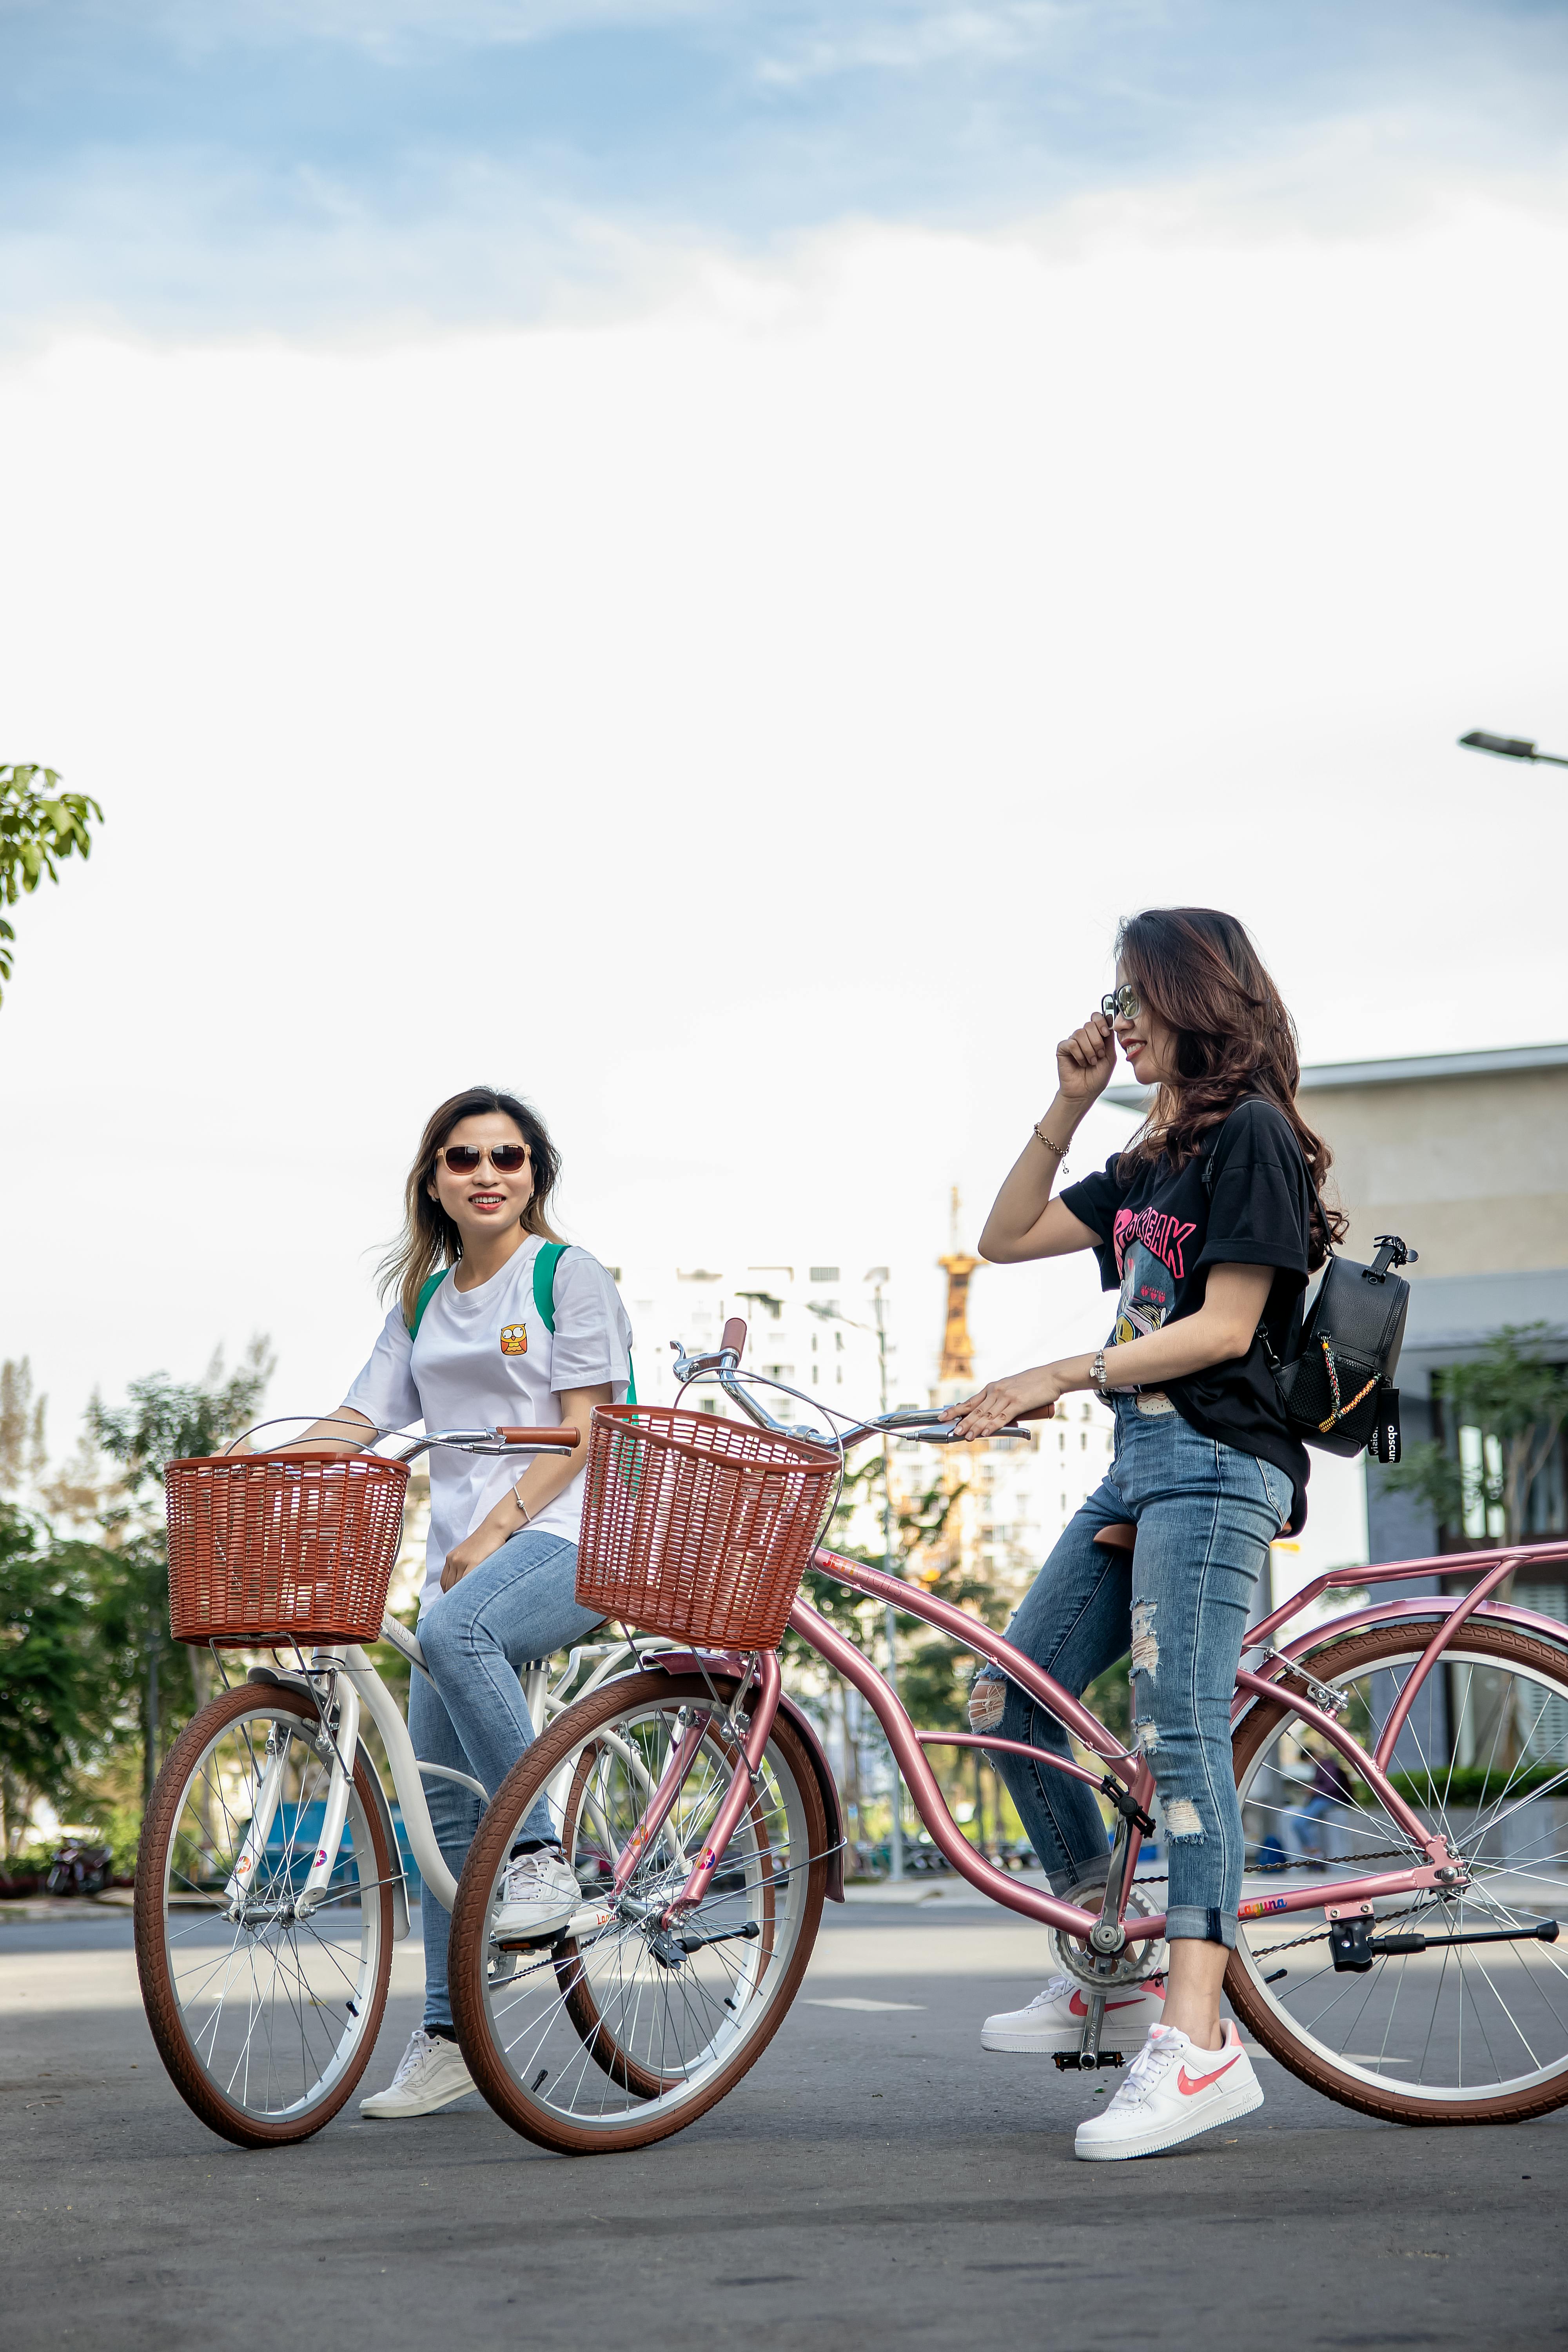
{"type": "Point", "coordinates": [1205, 1514]}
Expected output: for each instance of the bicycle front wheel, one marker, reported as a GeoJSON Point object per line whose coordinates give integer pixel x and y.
{"type": "Point", "coordinates": [1460, 2032]}
{"type": "Point", "coordinates": [265, 2022]}
{"type": "Point", "coordinates": [623, 2033]}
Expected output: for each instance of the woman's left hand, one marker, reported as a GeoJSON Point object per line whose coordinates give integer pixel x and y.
{"type": "Point", "coordinates": [1000, 1401]}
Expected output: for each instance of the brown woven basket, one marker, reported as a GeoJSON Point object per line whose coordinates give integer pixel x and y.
{"type": "Point", "coordinates": [698, 1527]}
{"type": "Point", "coordinates": [281, 1545]}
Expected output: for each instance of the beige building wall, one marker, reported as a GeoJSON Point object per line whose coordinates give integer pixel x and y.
{"type": "Point", "coordinates": [1472, 1169]}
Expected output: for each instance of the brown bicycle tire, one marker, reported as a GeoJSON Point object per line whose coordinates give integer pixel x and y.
{"type": "Point", "coordinates": [159, 1996]}
{"type": "Point", "coordinates": [1372, 1646]}
{"type": "Point", "coordinates": [470, 1918]}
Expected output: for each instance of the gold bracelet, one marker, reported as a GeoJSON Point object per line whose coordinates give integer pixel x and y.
{"type": "Point", "coordinates": [1059, 1149]}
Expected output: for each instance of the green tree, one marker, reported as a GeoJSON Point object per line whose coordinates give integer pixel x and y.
{"type": "Point", "coordinates": [36, 829]}
{"type": "Point", "coordinates": [1518, 1400]}
{"type": "Point", "coordinates": [163, 1421]}
{"type": "Point", "coordinates": [56, 1706]}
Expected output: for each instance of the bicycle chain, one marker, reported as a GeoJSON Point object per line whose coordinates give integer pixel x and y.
{"type": "Point", "coordinates": [1257, 1869]}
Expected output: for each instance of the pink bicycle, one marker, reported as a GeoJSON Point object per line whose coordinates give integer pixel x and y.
{"type": "Point", "coordinates": [1399, 1911]}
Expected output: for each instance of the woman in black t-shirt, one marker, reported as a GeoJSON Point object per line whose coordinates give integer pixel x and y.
{"type": "Point", "coordinates": [1207, 1226]}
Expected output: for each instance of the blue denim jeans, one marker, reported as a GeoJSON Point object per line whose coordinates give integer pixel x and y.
{"type": "Point", "coordinates": [518, 1605]}
{"type": "Point", "coordinates": [1205, 1514]}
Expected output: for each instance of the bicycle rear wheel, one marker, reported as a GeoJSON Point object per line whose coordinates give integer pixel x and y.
{"type": "Point", "coordinates": [619, 2035]}
{"type": "Point", "coordinates": [1460, 2032]}
{"type": "Point", "coordinates": [265, 2022]}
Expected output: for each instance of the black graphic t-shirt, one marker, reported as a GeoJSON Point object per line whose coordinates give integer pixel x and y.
{"type": "Point", "coordinates": [1158, 1236]}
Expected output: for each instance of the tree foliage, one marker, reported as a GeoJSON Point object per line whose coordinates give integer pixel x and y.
{"type": "Point", "coordinates": [1513, 1394]}
{"type": "Point", "coordinates": [88, 1673]}
{"type": "Point", "coordinates": [37, 829]}
{"type": "Point", "coordinates": [57, 1704]}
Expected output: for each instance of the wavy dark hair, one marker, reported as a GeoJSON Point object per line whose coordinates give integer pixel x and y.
{"type": "Point", "coordinates": [429, 1238]}
{"type": "Point", "coordinates": [1199, 972]}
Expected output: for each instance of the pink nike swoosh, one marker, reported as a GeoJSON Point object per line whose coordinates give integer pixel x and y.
{"type": "Point", "coordinates": [1078, 2007]}
{"type": "Point", "coordinates": [1185, 2085]}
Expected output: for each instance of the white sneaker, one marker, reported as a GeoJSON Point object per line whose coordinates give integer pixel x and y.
{"type": "Point", "coordinates": [1173, 2090]}
{"type": "Point", "coordinates": [430, 2073]}
{"type": "Point", "coordinates": [538, 1897]}
{"type": "Point", "coordinates": [1055, 2019]}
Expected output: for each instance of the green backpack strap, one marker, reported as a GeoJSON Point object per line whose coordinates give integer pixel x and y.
{"type": "Point", "coordinates": [544, 1266]}
{"type": "Point", "coordinates": [550, 1256]}
{"type": "Point", "coordinates": [428, 1290]}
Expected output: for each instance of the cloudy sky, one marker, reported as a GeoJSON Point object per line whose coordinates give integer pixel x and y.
{"type": "Point", "coordinates": [693, 559]}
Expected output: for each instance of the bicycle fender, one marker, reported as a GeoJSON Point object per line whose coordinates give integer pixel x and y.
{"type": "Point", "coordinates": [399, 1882]}
{"type": "Point", "coordinates": [692, 1662]}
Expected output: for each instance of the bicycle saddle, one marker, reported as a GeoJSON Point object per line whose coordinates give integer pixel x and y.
{"type": "Point", "coordinates": [1120, 1536]}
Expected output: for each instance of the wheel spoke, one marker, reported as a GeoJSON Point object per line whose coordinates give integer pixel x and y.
{"type": "Point", "coordinates": [265, 2022]}
{"type": "Point", "coordinates": [1454, 2026]}
{"type": "Point", "coordinates": [629, 2026]}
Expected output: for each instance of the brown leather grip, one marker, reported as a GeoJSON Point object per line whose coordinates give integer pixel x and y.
{"type": "Point", "coordinates": [734, 1334]}
{"type": "Point", "coordinates": [564, 1436]}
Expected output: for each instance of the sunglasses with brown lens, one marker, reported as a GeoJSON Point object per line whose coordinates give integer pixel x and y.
{"type": "Point", "coordinates": [506, 1158]}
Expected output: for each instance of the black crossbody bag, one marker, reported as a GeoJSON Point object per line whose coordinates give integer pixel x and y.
{"type": "Point", "coordinates": [1337, 1389]}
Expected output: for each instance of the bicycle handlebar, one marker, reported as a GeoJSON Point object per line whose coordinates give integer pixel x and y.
{"type": "Point", "coordinates": [734, 1334]}
{"type": "Point", "coordinates": [563, 1440]}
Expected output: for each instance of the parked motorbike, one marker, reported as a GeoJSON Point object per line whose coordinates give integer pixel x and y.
{"type": "Point", "coordinates": [80, 1869]}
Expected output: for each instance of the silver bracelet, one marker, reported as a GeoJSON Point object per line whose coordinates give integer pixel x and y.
{"type": "Point", "coordinates": [1097, 1375]}
{"type": "Point", "coordinates": [1059, 1149]}
{"type": "Point", "coordinates": [523, 1507]}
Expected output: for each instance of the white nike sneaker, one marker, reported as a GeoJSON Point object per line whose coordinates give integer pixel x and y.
{"type": "Point", "coordinates": [430, 2073]}
{"type": "Point", "coordinates": [1055, 2019]}
{"type": "Point", "coordinates": [1172, 2092]}
{"type": "Point", "coordinates": [538, 1897]}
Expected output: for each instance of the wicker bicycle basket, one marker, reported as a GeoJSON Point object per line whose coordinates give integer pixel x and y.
{"type": "Point", "coordinates": [698, 1527]}
{"type": "Point", "coordinates": [293, 1547]}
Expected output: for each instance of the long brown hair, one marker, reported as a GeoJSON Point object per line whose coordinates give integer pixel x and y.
{"type": "Point", "coordinates": [1199, 972]}
{"type": "Point", "coordinates": [429, 1238]}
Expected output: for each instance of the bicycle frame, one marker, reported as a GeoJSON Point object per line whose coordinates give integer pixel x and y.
{"type": "Point", "coordinates": [1440, 1869]}
{"type": "Point", "coordinates": [342, 1675]}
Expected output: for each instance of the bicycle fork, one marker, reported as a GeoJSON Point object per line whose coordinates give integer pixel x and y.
{"type": "Point", "coordinates": [341, 1743]}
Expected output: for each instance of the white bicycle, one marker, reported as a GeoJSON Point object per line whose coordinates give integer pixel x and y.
{"type": "Point", "coordinates": [270, 1887]}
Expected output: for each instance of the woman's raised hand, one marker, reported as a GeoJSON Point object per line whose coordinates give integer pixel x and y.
{"type": "Point", "coordinates": [1086, 1060]}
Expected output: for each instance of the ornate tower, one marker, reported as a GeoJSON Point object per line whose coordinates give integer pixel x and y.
{"type": "Point", "coordinates": [956, 1376]}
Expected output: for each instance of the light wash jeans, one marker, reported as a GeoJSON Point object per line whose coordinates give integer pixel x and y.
{"type": "Point", "coordinates": [1205, 1514]}
{"type": "Point", "coordinates": [518, 1604]}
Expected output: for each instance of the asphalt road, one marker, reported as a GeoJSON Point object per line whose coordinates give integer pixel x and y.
{"type": "Point", "coordinates": [875, 2180]}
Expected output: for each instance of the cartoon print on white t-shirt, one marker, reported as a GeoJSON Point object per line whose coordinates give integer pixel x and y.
{"type": "Point", "coordinates": [514, 1339]}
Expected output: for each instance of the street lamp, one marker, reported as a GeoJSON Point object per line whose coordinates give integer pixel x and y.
{"type": "Point", "coordinates": [1509, 747]}
{"type": "Point", "coordinates": [878, 1276]}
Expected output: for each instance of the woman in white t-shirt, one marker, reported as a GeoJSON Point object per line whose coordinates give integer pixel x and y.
{"type": "Point", "coordinates": [501, 1560]}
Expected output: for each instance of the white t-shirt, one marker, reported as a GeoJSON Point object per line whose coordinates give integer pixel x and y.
{"type": "Point", "coordinates": [484, 1356]}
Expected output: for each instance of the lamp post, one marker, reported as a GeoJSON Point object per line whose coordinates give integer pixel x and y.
{"type": "Point", "coordinates": [878, 1276]}
{"type": "Point", "coordinates": [1509, 747]}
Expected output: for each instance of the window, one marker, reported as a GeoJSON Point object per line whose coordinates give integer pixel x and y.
{"type": "Point", "coordinates": [1482, 1459]}
{"type": "Point", "coordinates": [824, 1273]}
